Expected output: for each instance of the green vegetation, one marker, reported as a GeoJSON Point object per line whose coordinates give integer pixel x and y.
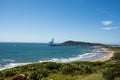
{"type": "Point", "coordinates": [76, 43]}
{"type": "Point", "coordinates": [112, 72]}
{"type": "Point", "coordinates": [109, 70]}
{"type": "Point", "coordinates": [46, 70]}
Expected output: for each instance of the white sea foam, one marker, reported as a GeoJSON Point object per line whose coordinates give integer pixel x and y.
{"type": "Point", "coordinates": [11, 65]}
{"type": "Point", "coordinates": [8, 60]}
{"type": "Point", "coordinates": [83, 57]}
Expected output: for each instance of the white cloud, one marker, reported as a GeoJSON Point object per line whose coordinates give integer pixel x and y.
{"type": "Point", "coordinates": [109, 28]}
{"type": "Point", "coordinates": [106, 23]}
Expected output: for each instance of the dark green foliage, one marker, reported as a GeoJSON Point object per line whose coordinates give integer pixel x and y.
{"type": "Point", "coordinates": [52, 66]}
{"type": "Point", "coordinates": [76, 69]}
{"type": "Point", "coordinates": [116, 57]}
{"type": "Point", "coordinates": [38, 75]}
{"type": "Point", "coordinates": [39, 71]}
{"type": "Point", "coordinates": [86, 69]}
{"type": "Point", "coordinates": [67, 69]}
{"type": "Point", "coordinates": [11, 72]}
{"type": "Point", "coordinates": [111, 73]}
{"type": "Point", "coordinates": [31, 67]}
{"type": "Point", "coordinates": [1, 76]}
{"type": "Point", "coordinates": [112, 70]}
{"type": "Point", "coordinates": [107, 65]}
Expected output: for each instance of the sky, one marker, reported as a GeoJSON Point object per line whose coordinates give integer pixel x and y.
{"type": "Point", "coordinates": [78, 20]}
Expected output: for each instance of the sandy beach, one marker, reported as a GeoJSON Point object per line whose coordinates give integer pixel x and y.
{"type": "Point", "coordinates": [109, 55]}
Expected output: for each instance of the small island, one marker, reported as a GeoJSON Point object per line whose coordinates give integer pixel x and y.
{"type": "Point", "coordinates": [77, 43]}
{"type": "Point", "coordinates": [74, 43]}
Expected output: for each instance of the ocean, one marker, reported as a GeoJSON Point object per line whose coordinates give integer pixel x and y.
{"type": "Point", "coordinates": [17, 54]}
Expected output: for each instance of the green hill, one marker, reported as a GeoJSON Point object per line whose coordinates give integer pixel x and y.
{"type": "Point", "coordinates": [76, 43]}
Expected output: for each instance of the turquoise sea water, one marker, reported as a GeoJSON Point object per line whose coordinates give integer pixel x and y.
{"type": "Point", "coordinates": [17, 54]}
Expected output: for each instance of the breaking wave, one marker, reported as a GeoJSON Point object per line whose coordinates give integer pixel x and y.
{"type": "Point", "coordinates": [11, 65]}
{"type": "Point", "coordinates": [8, 60]}
{"type": "Point", "coordinates": [84, 57]}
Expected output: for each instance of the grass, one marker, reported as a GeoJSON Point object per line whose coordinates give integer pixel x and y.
{"type": "Point", "coordinates": [55, 71]}
{"type": "Point", "coordinates": [58, 76]}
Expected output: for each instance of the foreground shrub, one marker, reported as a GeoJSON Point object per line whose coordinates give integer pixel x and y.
{"type": "Point", "coordinates": [74, 69]}
{"type": "Point", "coordinates": [112, 72]}
{"type": "Point", "coordinates": [1, 76]}
{"type": "Point", "coordinates": [68, 69]}
{"type": "Point", "coordinates": [52, 65]}
{"type": "Point", "coordinates": [116, 57]}
{"type": "Point", "coordinates": [38, 75]}
{"type": "Point", "coordinates": [10, 72]}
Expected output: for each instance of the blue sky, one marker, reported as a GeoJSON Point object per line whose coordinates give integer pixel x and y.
{"type": "Point", "coordinates": [78, 20]}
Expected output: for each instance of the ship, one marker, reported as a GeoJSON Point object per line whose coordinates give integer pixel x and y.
{"type": "Point", "coordinates": [51, 43]}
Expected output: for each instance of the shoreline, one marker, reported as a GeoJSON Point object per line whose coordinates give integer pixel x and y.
{"type": "Point", "coordinates": [109, 55]}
